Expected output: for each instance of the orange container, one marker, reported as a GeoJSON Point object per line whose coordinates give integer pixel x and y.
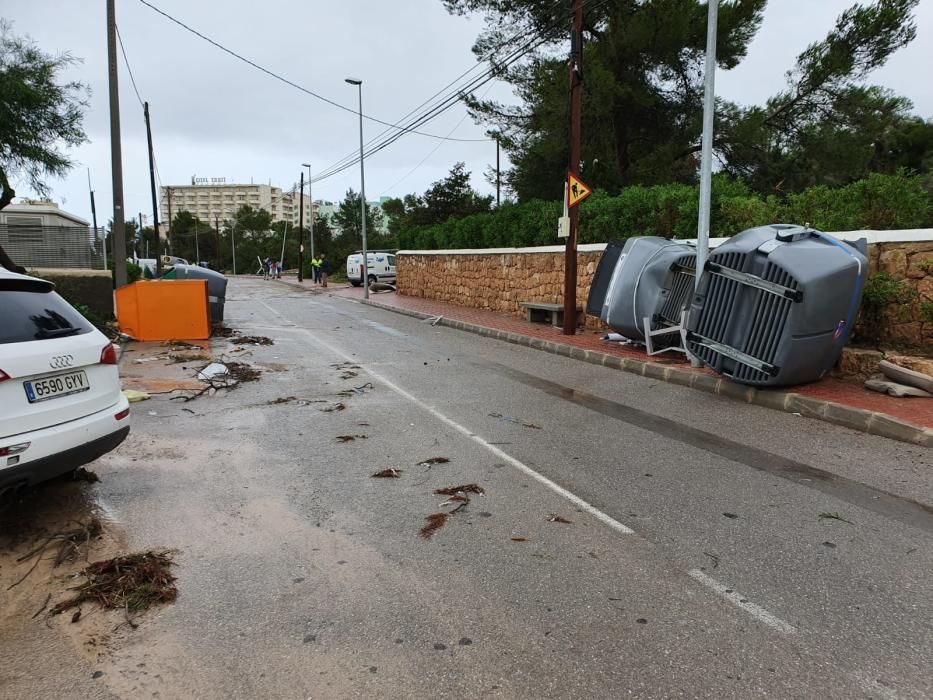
{"type": "Point", "coordinates": [164, 310]}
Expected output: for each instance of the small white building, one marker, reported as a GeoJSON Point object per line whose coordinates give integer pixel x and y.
{"type": "Point", "coordinates": [39, 234]}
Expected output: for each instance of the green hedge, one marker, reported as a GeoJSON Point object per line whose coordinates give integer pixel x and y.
{"type": "Point", "coordinates": [877, 202]}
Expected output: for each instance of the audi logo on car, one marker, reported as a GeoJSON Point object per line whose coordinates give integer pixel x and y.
{"type": "Point", "coordinates": [61, 361]}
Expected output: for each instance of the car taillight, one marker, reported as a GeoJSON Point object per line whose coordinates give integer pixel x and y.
{"type": "Point", "coordinates": [3, 376]}
{"type": "Point", "coordinates": [122, 414]}
{"type": "Point", "coordinates": [14, 449]}
{"type": "Point", "coordinates": [108, 356]}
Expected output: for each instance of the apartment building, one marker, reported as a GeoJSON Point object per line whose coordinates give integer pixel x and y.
{"type": "Point", "coordinates": [213, 198]}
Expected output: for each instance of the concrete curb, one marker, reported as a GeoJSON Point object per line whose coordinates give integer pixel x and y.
{"type": "Point", "coordinates": [839, 414]}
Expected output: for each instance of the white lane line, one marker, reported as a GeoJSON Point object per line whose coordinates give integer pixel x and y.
{"type": "Point", "coordinates": [521, 466]}
{"type": "Point", "coordinates": [742, 602]}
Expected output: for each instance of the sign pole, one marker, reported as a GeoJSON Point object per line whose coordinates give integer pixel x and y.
{"type": "Point", "coordinates": [576, 109]}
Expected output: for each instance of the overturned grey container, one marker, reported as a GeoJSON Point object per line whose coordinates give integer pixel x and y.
{"type": "Point", "coordinates": [776, 304]}
{"type": "Point", "coordinates": [216, 286]}
{"type": "Point", "coordinates": [641, 288]}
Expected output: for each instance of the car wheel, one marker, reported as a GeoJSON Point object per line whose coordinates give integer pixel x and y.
{"type": "Point", "coordinates": [355, 283]}
{"type": "Point", "coordinates": [372, 280]}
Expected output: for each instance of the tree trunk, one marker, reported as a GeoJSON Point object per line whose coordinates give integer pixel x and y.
{"type": "Point", "coordinates": [6, 196]}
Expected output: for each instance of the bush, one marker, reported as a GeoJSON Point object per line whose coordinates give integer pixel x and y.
{"type": "Point", "coordinates": [877, 202]}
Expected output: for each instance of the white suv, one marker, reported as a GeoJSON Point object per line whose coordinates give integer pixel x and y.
{"type": "Point", "coordinates": [60, 400]}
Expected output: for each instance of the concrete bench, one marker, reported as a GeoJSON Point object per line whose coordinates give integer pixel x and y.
{"type": "Point", "coordinates": [541, 312]}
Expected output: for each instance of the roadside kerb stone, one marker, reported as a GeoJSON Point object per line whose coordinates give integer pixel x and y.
{"type": "Point", "coordinates": [875, 423]}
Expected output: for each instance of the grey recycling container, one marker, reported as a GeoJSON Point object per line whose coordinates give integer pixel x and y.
{"type": "Point", "coordinates": [776, 304]}
{"type": "Point", "coordinates": [216, 286]}
{"type": "Point", "coordinates": [644, 277]}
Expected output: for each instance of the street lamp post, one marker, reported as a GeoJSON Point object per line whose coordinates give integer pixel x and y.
{"type": "Point", "coordinates": [310, 208]}
{"type": "Point", "coordinates": [359, 85]}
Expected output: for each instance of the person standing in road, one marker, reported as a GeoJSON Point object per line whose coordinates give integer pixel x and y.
{"type": "Point", "coordinates": [324, 268]}
{"type": "Point", "coordinates": [316, 270]}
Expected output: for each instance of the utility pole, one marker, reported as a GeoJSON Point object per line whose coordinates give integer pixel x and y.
{"type": "Point", "coordinates": [576, 111]}
{"type": "Point", "coordinates": [233, 243]}
{"type": "Point", "coordinates": [168, 231]}
{"type": "Point", "coordinates": [706, 159]}
{"type": "Point", "coordinates": [94, 218]}
{"type": "Point", "coordinates": [152, 188]}
{"type": "Point", "coordinates": [197, 248]}
{"type": "Point", "coordinates": [301, 226]}
{"type": "Point", "coordinates": [116, 153]}
{"type": "Point", "coordinates": [139, 233]}
{"type": "Point", "coordinates": [498, 201]}
{"type": "Point", "coordinates": [217, 236]}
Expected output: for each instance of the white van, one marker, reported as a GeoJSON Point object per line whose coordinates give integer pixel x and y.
{"type": "Point", "coordinates": [381, 267]}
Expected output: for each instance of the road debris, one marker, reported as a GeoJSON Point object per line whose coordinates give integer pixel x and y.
{"type": "Point", "coordinates": [464, 488]}
{"type": "Point", "coordinates": [355, 391]}
{"type": "Point", "coordinates": [834, 516]}
{"type": "Point", "coordinates": [512, 419]}
{"type": "Point", "coordinates": [134, 396]}
{"type": "Point", "coordinates": [387, 474]}
{"type": "Point", "coordinates": [350, 438]}
{"type": "Point", "coordinates": [82, 474]}
{"type": "Point", "coordinates": [132, 582]}
{"type": "Point", "coordinates": [435, 522]}
{"type": "Point", "coordinates": [558, 519]}
{"type": "Point", "coordinates": [518, 538]}
{"type": "Point", "coordinates": [330, 408]}
{"type": "Point", "coordinates": [253, 340]}
{"type": "Point", "coordinates": [432, 461]}
{"type": "Point", "coordinates": [69, 544]}
{"type": "Point", "coordinates": [222, 331]}
{"type": "Point", "coordinates": [715, 559]}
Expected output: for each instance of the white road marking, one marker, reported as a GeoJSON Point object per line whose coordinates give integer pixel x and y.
{"type": "Point", "coordinates": [721, 589]}
{"type": "Point", "coordinates": [521, 466]}
{"type": "Point", "coordinates": [742, 602]}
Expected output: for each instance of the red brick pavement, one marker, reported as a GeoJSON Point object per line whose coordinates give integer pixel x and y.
{"type": "Point", "coordinates": [913, 410]}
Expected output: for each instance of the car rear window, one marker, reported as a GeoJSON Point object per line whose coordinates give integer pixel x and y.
{"type": "Point", "coordinates": [36, 315]}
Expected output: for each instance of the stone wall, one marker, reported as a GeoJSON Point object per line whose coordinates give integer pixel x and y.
{"type": "Point", "coordinates": [500, 280]}
{"type": "Point", "coordinates": [908, 324]}
{"type": "Point", "coordinates": [497, 282]}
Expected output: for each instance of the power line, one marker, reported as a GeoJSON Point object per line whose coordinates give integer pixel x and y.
{"type": "Point", "coordinates": [129, 70]}
{"type": "Point", "coordinates": [286, 80]}
{"type": "Point", "coordinates": [430, 153]}
{"type": "Point", "coordinates": [437, 110]}
{"type": "Point", "coordinates": [452, 99]}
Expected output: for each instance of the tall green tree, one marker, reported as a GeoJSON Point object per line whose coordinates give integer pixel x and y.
{"type": "Point", "coordinates": [39, 114]}
{"type": "Point", "coordinates": [349, 217]}
{"type": "Point", "coordinates": [642, 94]}
{"type": "Point", "coordinates": [642, 87]}
{"type": "Point", "coordinates": [451, 197]}
{"type": "Point", "coordinates": [827, 126]}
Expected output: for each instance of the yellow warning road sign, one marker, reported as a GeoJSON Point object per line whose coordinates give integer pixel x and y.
{"type": "Point", "coordinates": [577, 191]}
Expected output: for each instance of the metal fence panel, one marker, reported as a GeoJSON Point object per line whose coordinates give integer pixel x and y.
{"type": "Point", "coordinates": [34, 246]}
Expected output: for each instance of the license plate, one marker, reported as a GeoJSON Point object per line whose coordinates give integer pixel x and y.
{"type": "Point", "coordinates": [54, 387]}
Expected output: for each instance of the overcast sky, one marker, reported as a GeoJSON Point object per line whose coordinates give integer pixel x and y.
{"type": "Point", "coordinates": [214, 116]}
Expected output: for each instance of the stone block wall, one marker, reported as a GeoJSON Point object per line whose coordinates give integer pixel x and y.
{"type": "Point", "coordinates": [908, 324]}
{"type": "Point", "coordinates": [494, 281]}
{"type": "Point", "coordinates": [500, 281]}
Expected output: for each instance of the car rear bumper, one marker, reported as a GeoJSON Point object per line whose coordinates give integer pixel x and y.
{"type": "Point", "coordinates": [63, 448]}
{"type": "Point", "coordinates": [46, 468]}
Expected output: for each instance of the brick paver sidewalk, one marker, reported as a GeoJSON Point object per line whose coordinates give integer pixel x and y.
{"type": "Point", "coordinates": [874, 407]}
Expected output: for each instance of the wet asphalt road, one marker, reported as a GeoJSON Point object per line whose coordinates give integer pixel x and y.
{"type": "Point", "coordinates": [696, 563]}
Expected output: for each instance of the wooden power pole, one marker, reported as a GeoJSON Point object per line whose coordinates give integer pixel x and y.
{"type": "Point", "coordinates": [116, 152]}
{"type": "Point", "coordinates": [152, 190]}
{"type": "Point", "coordinates": [576, 109]}
{"type": "Point", "coordinates": [301, 227]}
